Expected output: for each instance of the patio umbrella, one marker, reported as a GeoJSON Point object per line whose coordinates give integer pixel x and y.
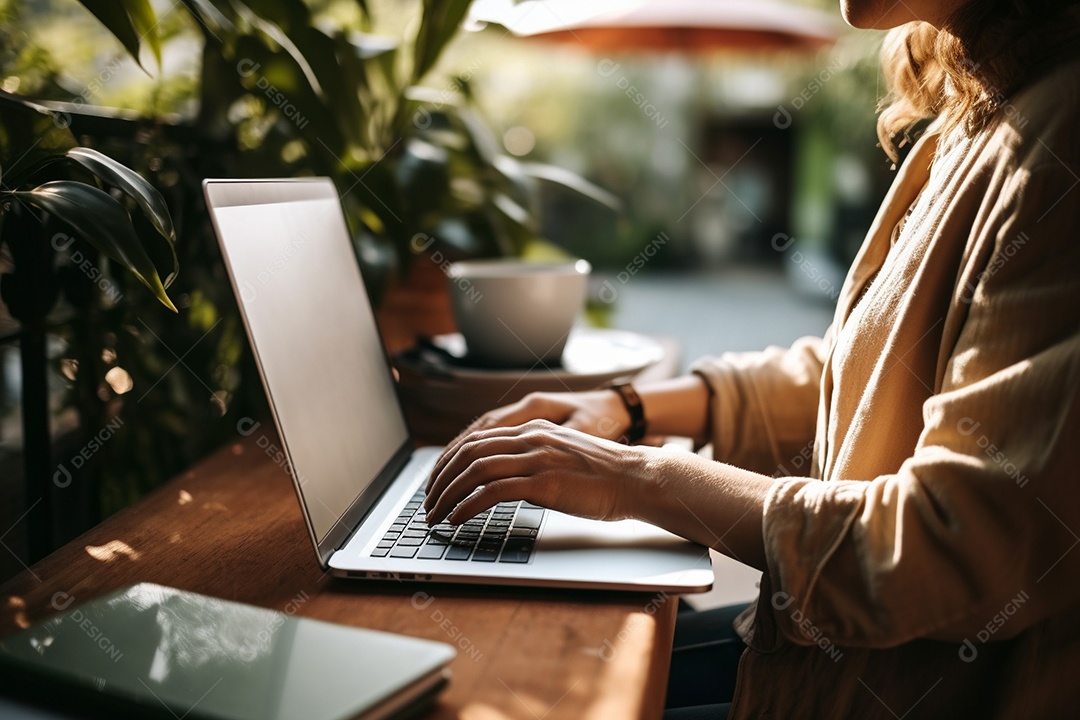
{"type": "Point", "coordinates": [682, 25]}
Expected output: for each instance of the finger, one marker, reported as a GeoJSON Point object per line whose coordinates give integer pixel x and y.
{"type": "Point", "coordinates": [534, 406]}
{"type": "Point", "coordinates": [482, 472]}
{"type": "Point", "coordinates": [490, 495]}
{"type": "Point", "coordinates": [531, 407]}
{"type": "Point", "coordinates": [453, 451]}
{"type": "Point", "coordinates": [455, 447]}
{"type": "Point", "coordinates": [462, 478]}
{"type": "Point", "coordinates": [448, 452]}
{"type": "Point", "coordinates": [476, 465]}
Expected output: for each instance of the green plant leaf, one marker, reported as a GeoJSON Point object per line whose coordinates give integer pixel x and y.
{"type": "Point", "coordinates": [133, 185]}
{"type": "Point", "coordinates": [28, 134]}
{"type": "Point", "coordinates": [514, 181]}
{"type": "Point", "coordinates": [573, 181]}
{"type": "Point", "coordinates": [145, 22]}
{"type": "Point", "coordinates": [275, 32]}
{"type": "Point", "coordinates": [480, 135]}
{"type": "Point", "coordinates": [439, 24]}
{"type": "Point", "coordinates": [512, 210]}
{"type": "Point", "coordinates": [281, 81]}
{"type": "Point", "coordinates": [214, 19]}
{"type": "Point", "coordinates": [130, 21]}
{"type": "Point", "coordinates": [289, 15]}
{"type": "Point", "coordinates": [337, 77]}
{"type": "Point", "coordinates": [103, 222]}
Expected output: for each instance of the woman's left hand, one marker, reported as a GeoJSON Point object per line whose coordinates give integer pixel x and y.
{"type": "Point", "coordinates": [540, 462]}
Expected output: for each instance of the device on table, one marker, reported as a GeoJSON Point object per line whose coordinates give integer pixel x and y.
{"type": "Point", "coordinates": [152, 651]}
{"type": "Point", "coordinates": [357, 474]}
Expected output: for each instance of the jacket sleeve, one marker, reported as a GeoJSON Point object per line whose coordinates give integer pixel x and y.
{"type": "Point", "coordinates": [763, 406]}
{"type": "Point", "coordinates": [978, 529]}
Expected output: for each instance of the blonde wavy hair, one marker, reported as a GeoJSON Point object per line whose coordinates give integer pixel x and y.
{"type": "Point", "coordinates": [964, 73]}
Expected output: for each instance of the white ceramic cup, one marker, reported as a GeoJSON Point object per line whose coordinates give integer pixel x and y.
{"type": "Point", "coordinates": [515, 313]}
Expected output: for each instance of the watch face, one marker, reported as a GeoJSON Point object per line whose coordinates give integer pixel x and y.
{"type": "Point", "coordinates": [632, 401]}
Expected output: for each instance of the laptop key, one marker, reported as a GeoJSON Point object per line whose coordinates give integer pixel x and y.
{"type": "Point", "coordinates": [411, 541]}
{"type": "Point", "coordinates": [432, 552]}
{"type": "Point", "coordinates": [517, 551]}
{"type": "Point", "coordinates": [529, 518]}
{"type": "Point", "coordinates": [403, 551]}
{"type": "Point", "coordinates": [380, 552]}
{"type": "Point", "coordinates": [523, 532]}
{"type": "Point", "coordinates": [486, 553]}
{"type": "Point", "coordinates": [458, 552]}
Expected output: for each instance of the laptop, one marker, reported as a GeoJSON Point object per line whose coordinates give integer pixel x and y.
{"type": "Point", "coordinates": [358, 474]}
{"type": "Point", "coordinates": [150, 651]}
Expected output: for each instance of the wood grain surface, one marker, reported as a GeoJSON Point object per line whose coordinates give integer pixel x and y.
{"type": "Point", "coordinates": [232, 528]}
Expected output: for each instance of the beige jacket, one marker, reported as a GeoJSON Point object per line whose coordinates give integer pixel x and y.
{"type": "Point", "coordinates": [926, 565]}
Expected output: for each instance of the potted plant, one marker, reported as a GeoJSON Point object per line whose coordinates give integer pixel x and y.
{"type": "Point", "coordinates": [420, 174]}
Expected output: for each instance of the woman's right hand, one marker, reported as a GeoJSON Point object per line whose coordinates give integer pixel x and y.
{"type": "Point", "coordinates": [597, 412]}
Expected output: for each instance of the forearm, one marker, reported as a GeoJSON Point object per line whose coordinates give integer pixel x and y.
{"type": "Point", "coordinates": [677, 407]}
{"type": "Point", "coordinates": [711, 503]}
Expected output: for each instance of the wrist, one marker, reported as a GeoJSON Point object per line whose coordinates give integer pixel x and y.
{"type": "Point", "coordinates": [642, 479]}
{"type": "Point", "coordinates": [633, 409]}
{"type": "Point", "coordinates": [656, 470]}
{"type": "Point", "coordinates": [677, 408]}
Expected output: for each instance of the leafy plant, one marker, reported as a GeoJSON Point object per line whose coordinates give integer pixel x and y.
{"type": "Point", "coordinates": [71, 185]}
{"type": "Point", "coordinates": [305, 93]}
{"type": "Point", "coordinates": [408, 160]}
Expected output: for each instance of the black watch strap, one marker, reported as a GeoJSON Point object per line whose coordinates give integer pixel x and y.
{"type": "Point", "coordinates": [632, 401]}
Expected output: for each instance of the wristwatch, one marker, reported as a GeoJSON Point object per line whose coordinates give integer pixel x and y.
{"type": "Point", "coordinates": [632, 401]}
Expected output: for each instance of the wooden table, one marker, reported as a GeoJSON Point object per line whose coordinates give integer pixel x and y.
{"type": "Point", "coordinates": [232, 528]}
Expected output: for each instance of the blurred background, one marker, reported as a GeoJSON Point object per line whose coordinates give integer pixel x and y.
{"type": "Point", "coordinates": [720, 180]}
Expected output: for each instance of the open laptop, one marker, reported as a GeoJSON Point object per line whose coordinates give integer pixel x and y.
{"type": "Point", "coordinates": [356, 471]}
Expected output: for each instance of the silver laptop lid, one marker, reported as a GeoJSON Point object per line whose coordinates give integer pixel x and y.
{"type": "Point", "coordinates": [292, 265]}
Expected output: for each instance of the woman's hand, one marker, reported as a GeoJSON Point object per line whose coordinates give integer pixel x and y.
{"type": "Point", "coordinates": [546, 464]}
{"type": "Point", "coordinates": [600, 413]}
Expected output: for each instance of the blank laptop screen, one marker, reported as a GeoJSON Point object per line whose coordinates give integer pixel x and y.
{"type": "Point", "coordinates": [315, 337]}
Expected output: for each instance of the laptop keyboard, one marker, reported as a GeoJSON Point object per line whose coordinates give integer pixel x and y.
{"type": "Point", "coordinates": [505, 533]}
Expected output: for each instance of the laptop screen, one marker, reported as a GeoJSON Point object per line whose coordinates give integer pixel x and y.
{"type": "Point", "coordinates": [314, 335]}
